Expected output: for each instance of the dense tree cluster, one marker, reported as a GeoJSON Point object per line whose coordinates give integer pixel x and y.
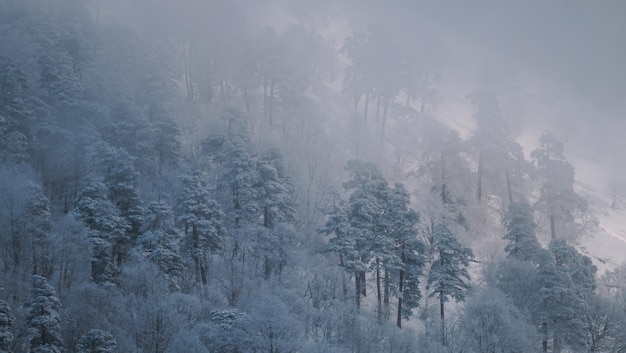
{"type": "Point", "coordinates": [196, 182]}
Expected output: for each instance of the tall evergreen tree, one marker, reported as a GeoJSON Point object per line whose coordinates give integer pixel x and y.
{"type": "Point", "coordinates": [201, 219]}
{"type": "Point", "coordinates": [43, 322]}
{"type": "Point", "coordinates": [448, 276]}
{"type": "Point", "coordinates": [558, 200]}
{"type": "Point", "coordinates": [160, 240]}
{"type": "Point", "coordinates": [410, 250]}
{"type": "Point", "coordinates": [520, 233]}
{"type": "Point", "coordinates": [39, 226]}
{"type": "Point", "coordinates": [107, 231]}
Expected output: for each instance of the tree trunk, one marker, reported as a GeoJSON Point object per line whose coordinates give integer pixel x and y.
{"type": "Point", "coordinates": [363, 286]}
{"type": "Point", "coordinates": [367, 100]}
{"type": "Point", "coordinates": [344, 285]}
{"type": "Point", "coordinates": [508, 186]}
{"type": "Point", "coordinates": [400, 289]}
{"type": "Point", "coordinates": [386, 293]}
{"type": "Point", "coordinates": [357, 287]}
{"type": "Point", "coordinates": [552, 227]}
{"type": "Point", "coordinates": [265, 102]}
{"type": "Point", "coordinates": [479, 184]}
{"type": "Point", "coordinates": [379, 315]}
{"type": "Point", "coordinates": [443, 322]}
{"type": "Point", "coordinates": [382, 129]}
{"type": "Point", "coordinates": [270, 111]}
{"type": "Point", "coordinates": [544, 343]}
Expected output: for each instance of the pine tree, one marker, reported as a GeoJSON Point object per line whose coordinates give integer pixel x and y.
{"type": "Point", "coordinates": [106, 231]}
{"type": "Point", "coordinates": [556, 307]}
{"type": "Point", "coordinates": [39, 226]}
{"type": "Point", "coordinates": [402, 222]}
{"type": "Point", "coordinates": [160, 240]}
{"type": "Point", "coordinates": [520, 232]}
{"type": "Point", "coordinates": [201, 219]}
{"type": "Point", "coordinates": [43, 323]}
{"type": "Point", "coordinates": [558, 200]}
{"type": "Point", "coordinates": [6, 324]}
{"type": "Point", "coordinates": [115, 166]}
{"type": "Point", "coordinates": [277, 203]}
{"type": "Point", "coordinates": [96, 341]}
{"type": "Point", "coordinates": [448, 276]}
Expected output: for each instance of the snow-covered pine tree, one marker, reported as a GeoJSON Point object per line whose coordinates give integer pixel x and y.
{"type": "Point", "coordinates": [43, 323]}
{"type": "Point", "coordinates": [520, 233]}
{"type": "Point", "coordinates": [96, 341]}
{"type": "Point", "coordinates": [201, 218]}
{"type": "Point", "coordinates": [6, 325]}
{"type": "Point", "coordinates": [558, 200]}
{"type": "Point", "coordinates": [106, 230]}
{"type": "Point", "coordinates": [160, 240]}
{"type": "Point", "coordinates": [448, 276]}
{"type": "Point", "coordinates": [408, 248]}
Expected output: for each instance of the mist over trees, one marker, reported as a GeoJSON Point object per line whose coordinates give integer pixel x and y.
{"type": "Point", "coordinates": [244, 176]}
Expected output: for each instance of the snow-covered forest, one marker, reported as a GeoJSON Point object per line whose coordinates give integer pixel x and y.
{"type": "Point", "coordinates": [289, 176]}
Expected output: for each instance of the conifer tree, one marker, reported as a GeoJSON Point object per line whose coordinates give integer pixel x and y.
{"type": "Point", "coordinates": [201, 219]}
{"type": "Point", "coordinates": [520, 233]}
{"type": "Point", "coordinates": [96, 341]}
{"type": "Point", "coordinates": [160, 240]}
{"type": "Point", "coordinates": [43, 322]}
{"type": "Point", "coordinates": [106, 231]}
{"type": "Point", "coordinates": [448, 276]}
{"type": "Point", "coordinates": [558, 200]}
{"type": "Point", "coordinates": [6, 324]}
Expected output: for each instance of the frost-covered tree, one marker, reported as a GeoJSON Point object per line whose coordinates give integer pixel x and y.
{"type": "Point", "coordinates": [96, 341]}
{"type": "Point", "coordinates": [6, 325]}
{"type": "Point", "coordinates": [106, 231]}
{"type": "Point", "coordinates": [409, 250]}
{"type": "Point", "coordinates": [39, 227]}
{"type": "Point", "coordinates": [520, 233]}
{"type": "Point", "coordinates": [558, 200]}
{"type": "Point", "coordinates": [556, 308]}
{"type": "Point", "coordinates": [448, 277]}
{"type": "Point", "coordinates": [365, 209]}
{"type": "Point", "coordinates": [43, 322]}
{"type": "Point", "coordinates": [160, 240]}
{"type": "Point", "coordinates": [115, 167]}
{"type": "Point", "coordinates": [490, 323]}
{"type": "Point", "coordinates": [201, 219]}
{"type": "Point", "coordinates": [577, 266]}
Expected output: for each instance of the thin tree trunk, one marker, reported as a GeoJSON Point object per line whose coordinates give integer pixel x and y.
{"type": "Point", "coordinates": [544, 343]}
{"type": "Point", "coordinates": [270, 111]}
{"type": "Point", "coordinates": [363, 284]}
{"type": "Point", "coordinates": [344, 285]}
{"type": "Point", "coordinates": [386, 293]}
{"type": "Point", "coordinates": [508, 186]}
{"type": "Point", "coordinates": [400, 290]}
{"type": "Point", "coordinates": [443, 322]}
{"type": "Point", "coordinates": [265, 103]}
{"type": "Point", "coordinates": [382, 130]}
{"type": "Point", "coordinates": [378, 108]}
{"type": "Point", "coordinates": [367, 100]}
{"type": "Point", "coordinates": [379, 315]}
{"type": "Point", "coordinates": [357, 288]}
{"type": "Point", "coordinates": [552, 227]}
{"type": "Point", "coordinates": [479, 184]}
